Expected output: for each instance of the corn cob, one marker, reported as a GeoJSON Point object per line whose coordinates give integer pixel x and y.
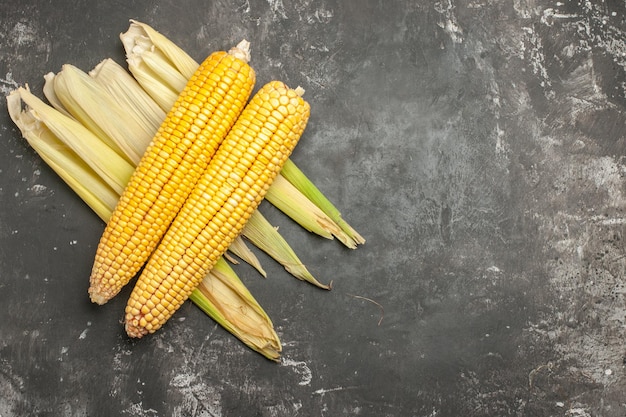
{"type": "Point", "coordinates": [232, 187]}
{"type": "Point", "coordinates": [130, 97]}
{"type": "Point", "coordinates": [193, 129]}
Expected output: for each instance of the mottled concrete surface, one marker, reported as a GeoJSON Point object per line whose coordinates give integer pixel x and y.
{"type": "Point", "coordinates": [477, 145]}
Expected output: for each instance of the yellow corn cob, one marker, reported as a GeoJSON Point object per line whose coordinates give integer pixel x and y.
{"type": "Point", "coordinates": [180, 151]}
{"type": "Point", "coordinates": [232, 187]}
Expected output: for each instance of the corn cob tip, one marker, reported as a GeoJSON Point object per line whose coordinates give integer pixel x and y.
{"type": "Point", "coordinates": [134, 329]}
{"type": "Point", "coordinates": [299, 91]}
{"type": "Point", "coordinates": [241, 51]}
{"type": "Point", "coordinates": [97, 298]}
{"type": "Point", "coordinates": [98, 293]}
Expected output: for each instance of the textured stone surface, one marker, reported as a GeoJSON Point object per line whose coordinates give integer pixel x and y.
{"type": "Point", "coordinates": [477, 145]}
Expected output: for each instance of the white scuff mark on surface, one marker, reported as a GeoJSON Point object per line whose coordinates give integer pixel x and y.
{"type": "Point", "coordinates": [278, 9]}
{"type": "Point", "coordinates": [323, 15]}
{"type": "Point", "coordinates": [138, 410]}
{"type": "Point", "coordinates": [284, 409]}
{"type": "Point", "coordinates": [38, 189]}
{"type": "Point", "coordinates": [320, 15]}
{"type": "Point", "coordinates": [8, 84]}
{"type": "Point", "coordinates": [537, 60]}
{"type": "Point", "coordinates": [300, 368]}
{"type": "Point", "coordinates": [608, 174]}
{"type": "Point", "coordinates": [23, 34]}
{"type": "Point", "coordinates": [549, 14]}
{"type": "Point", "coordinates": [121, 361]}
{"type": "Point", "coordinates": [198, 398]}
{"type": "Point", "coordinates": [11, 389]}
{"type": "Point", "coordinates": [245, 7]}
{"type": "Point", "coordinates": [591, 294]}
{"type": "Point", "coordinates": [182, 380]}
{"type": "Point", "coordinates": [502, 149]}
{"type": "Point", "coordinates": [594, 30]}
{"type": "Point", "coordinates": [320, 48]}
{"type": "Point", "coordinates": [450, 23]}
{"type": "Point", "coordinates": [577, 412]}
{"type": "Point", "coordinates": [522, 8]}
{"type": "Point", "coordinates": [83, 334]}
{"type": "Point", "coordinates": [323, 391]}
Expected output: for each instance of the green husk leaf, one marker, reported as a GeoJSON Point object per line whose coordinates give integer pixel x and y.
{"type": "Point", "coordinates": [266, 237]}
{"type": "Point", "coordinates": [225, 298]}
{"type": "Point", "coordinates": [239, 248]}
{"type": "Point", "coordinates": [296, 205]}
{"type": "Point", "coordinates": [295, 176]}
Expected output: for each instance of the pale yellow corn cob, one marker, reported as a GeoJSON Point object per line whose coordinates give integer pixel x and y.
{"type": "Point", "coordinates": [184, 144]}
{"type": "Point", "coordinates": [230, 190]}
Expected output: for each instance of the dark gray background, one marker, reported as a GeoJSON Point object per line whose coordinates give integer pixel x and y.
{"type": "Point", "coordinates": [477, 145]}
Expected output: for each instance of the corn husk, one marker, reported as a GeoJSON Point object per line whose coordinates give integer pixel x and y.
{"type": "Point", "coordinates": [162, 72]}
{"type": "Point", "coordinates": [239, 248]}
{"type": "Point", "coordinates": [62, 159]}
{"type": "Point", "coordinates": [221, 294]}
{"type": "Point", "coordinates": [298, 179]}
{"type": "Point", "coordinates": [90, 103]}
{"type": "Point", "coordinates": [266, 237]}
{"type": "Point", "coordinates": [129, 95]}
{"type": "Point", "coordinates": [106, 162]}
{"type": "Point", "coordinates": [227, 300]}
{"type": "Point", "coordinates": [95, 155]}
{"type": "Point", "coordinates": [141, 37]}
{"type": "Point", "coordinates": [296, 205]}
{"type": "Point", "coordinates": [51, 95]}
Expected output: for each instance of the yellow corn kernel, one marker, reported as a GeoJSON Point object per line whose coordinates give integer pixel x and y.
{"type": "Point", "coordinates": [215, 197]}
{"type": "Point", "coordinates": [170, 167]}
